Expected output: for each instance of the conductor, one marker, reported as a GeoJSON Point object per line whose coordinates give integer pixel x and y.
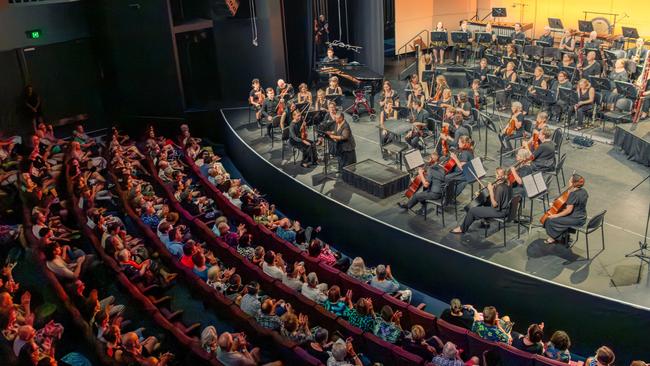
{"type": "Point", "coordinates": [345, 146]}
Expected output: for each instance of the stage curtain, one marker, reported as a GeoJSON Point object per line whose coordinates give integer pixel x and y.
{"type": "Point", "coordinates": [367, 23]}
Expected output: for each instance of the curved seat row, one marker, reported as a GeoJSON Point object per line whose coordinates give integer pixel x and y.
{"type": "Point", "coordinates": [376, 348]}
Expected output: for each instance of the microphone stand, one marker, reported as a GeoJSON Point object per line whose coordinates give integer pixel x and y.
{"type": "Point", "coordinates": [643, 245]}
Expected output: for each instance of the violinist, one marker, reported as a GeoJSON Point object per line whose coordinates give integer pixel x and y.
{"type": "Point", "coordinates": [441, 86]}
{"type": "Point", "coordinates": [521, 169]}
{"type": "Point", "coordinates": [447, 99]}
{"type": "Point", "coordinates": [510, 75]}
{"type": "Point", "coordinates": [388, 94]}
{"type": "Point", "coordinates": [416, 94]}
{"type": "Point", "coordinates": [474, 95]}
{"type": "Point", "coordinates": [321, 103]}
{"type": "Point", "coordinates": [464, 154]}
{"type": "Point", "coordinates": [432, 178]}
{"type": "Point", "coordinates": [568, 41]}
{"type": "Point", "coordinates": [498, 204]}
{"type": "Point", "coordinates": [573, 214]}
{"type": "Point", "coordinates": [540, 124]}
{"type": "Point", "coordinates": [256, 98]}
{"type": "Point", "coordinates": [298, 139]}
{"type": "Point", "coordinates": [591, 68]}
{"type": "Point", "coordinates": [333, 90]}
{"type": "Point", "coordinates": [463, 106]}
{"type": "Point", "coordinates": [544, 155]}
{"type": "Point", "coordinates": [284, 91]}
{"type": "Point", "coordinates": [304, 95]}
{"type": "Point", "coordinates": [482, 71]}
{"type": "Point", "coordinates": [270, 110]}
{"type": "Point", "coordinates": [417, 118]}
{"type": "Point", "coordinates": [515, 127]}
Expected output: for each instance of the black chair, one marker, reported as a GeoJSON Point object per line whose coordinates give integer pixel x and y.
{"type": "Point", "coordinates": [557, 139]}
{"type": "Point", "coordinates": [285, 142]}
{"type": "Point", "coordinates": [513, 214]}
{"type": "Point", "coordinates": [448, 198]}
{"type": "Point", "coordinates": [622, 112]}
{"type": "Point", "coordinates": [260, 123]}
{"type": "Point", "coordinates": [598, 101]}
{"type": "Point", "coordinates": [559, 169]}
{"type": "Point", "coordinates": [592, 225]}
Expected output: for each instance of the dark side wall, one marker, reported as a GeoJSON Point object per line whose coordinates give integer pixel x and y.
{"type": "Point", "coordinates": [134, 41]}
{"type": "Point", "coordinates": [239, 61]}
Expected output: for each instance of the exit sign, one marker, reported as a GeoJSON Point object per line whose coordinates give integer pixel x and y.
{"type": "Point", "coordinates": [34, 34]}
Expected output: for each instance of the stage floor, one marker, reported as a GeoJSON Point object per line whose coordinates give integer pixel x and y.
{"type": "Point", "coordinates": [609, 176]}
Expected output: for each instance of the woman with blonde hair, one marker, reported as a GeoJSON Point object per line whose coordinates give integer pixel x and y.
{"type": "Point", "coordinates": [359, 271]}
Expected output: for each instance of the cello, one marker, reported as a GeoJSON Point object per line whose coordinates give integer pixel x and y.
{"type": "Point", "coordinates": [560, 202]}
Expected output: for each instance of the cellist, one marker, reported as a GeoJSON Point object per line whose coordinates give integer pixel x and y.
{"type": "Point", "coordinates": [432, 180]}
{"type": "Point", "coordinates": [573, 214]}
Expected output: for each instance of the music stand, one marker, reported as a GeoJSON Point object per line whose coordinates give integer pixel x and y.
{"type": "Point", "coordinates": [533, 51]}
{"type": "Point", "coordinates": [459, 37]}
{"type": "Point", "coordinates": [520, 42]}
{"type": "Point", "coordinates": [503, 40]}
{"type": "Point", "coordinates": [494, 60]}
{"type": "Point", "coordinates": [544, 95]}
{"type": "Point", "coordinates": [529, 66]}
{"type": "Point", "coordinates": [489, 125]}
{"type": "Point", "coordinates": [535, 187]}
{"type": "Point", "coordinates": [555, 23]}
{"type": "Point", "coordinates": [499, 13]}
{"type": "Point", "coordinates": [550, 70]}
{"type": "Point", "coordinates": [437, 36]}
{"type": "Point", "coordinates": [611, 57]}
{"type": "Point", "coordinates": [436, 111]}
{"type": "Point", "coordinates": [514, 60]}
{"type": "Point", "coordinates": [626, 89]}
{"type": "Point", "coordinates": [518, 89]}
{"type": "Point", "coordinates": [585, 26]}
{"type": "Point", "coordinates": [571, 71]}
{"type": "Point", "coordinates": [413, 159]}
{"type": "Point", "coordinates": [483, 37]}
{"type": "Point", "coordinates": [315, 118]}
{"type": "Point", "coordinates": [470, 75]}
{"type": "Point", "coordinates": [600, 84]}
{"type": "Point", "coordinates": [542, 43]}
{"type": "Point", "coordinates": [629, 32]}
{"type": "Point", "coordinates": [550, 52]}
{"type": "Point", "coordinates": [570, 97]}
{"type": "Point", "coordinates": [334, 98]}
{"type": "Point", "coordinates": [474, 170]}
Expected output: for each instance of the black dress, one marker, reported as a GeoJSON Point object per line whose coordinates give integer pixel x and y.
{"type": "Point", "coordinates": [502, 195]}
{"type": "Point", "coordinates": [556, 227]}
{"type": "Point", "coordinates": [544, 157]}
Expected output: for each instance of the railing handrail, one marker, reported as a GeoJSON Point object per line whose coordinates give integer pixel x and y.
{"type": "Point", "coordinates": [428, 35]}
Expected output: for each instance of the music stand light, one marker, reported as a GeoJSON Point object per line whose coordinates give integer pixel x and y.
{"type": "Point", "coordinates": [555, 23]}
{"type": "Point", "coordinates": [585, 26]}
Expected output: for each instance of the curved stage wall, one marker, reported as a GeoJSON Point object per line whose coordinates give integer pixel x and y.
{"type": "Point", "coordinates": [590, 320]}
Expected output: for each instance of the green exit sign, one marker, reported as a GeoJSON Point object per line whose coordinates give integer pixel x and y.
{"type": "Point", "coordinates": [34, 34]}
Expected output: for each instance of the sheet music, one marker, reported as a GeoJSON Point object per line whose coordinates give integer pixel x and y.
{"type": "Point", "coordinates": [479, 169]}
{"type": "Point", "coordinates": [534, 184]}
{"type": "Point", "coordinates": [539, 181]}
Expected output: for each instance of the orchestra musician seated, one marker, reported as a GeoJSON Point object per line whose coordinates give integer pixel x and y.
{"type": "Point", "coordinates": [568, 42]}
{"type": "Point", "coordinates": [418, 116]}
{"type": "Point", "coordinates": [333, 90]}
{"type": "Point", "coordinates": [560, 106]}
{"type": "Point", "coordinates": [414, 82]}
{"type": "Point", "coordinates": [439, 46]}
{"type": "Point", "coordinates": [592, 67]}
{"type": "Point", "coordinates": [321, 102]}
{"type": "Point", "coordinates": [441, 86]}
{"type": "Point", "coordinates": [515, 127]}
{"type": "Point", "coordinates": [256, 98]}
{"type": "Point", "coordinates": [388, 93]}
{"type": "Point", "coordinates": [572, 214]}
{"type": "Point", "coordinates": [463, 106]}
{"type": "Point", "coordinates": [416, 95]}
{"type": "Point", "coordinates": [463, 155]}
{"type": "Point", "coordinates": [510, 75]}
{"type": "Point", "coordinates": [638, 53]}
{"type": "Point", "coordinates": [518, 34]}
{"type": "Point", "coordinates": [496, 205]}
{"type": "Point", "coordinates": [546, 39]}
{"type": "Point", "coordinates": [298, 139]}
{"type": "Point", "coordinates": [330, 57]}
{"type": "Point", "coordinates": [482, 71]}
{"type": "Point", "coordinates": [544, 155]}
{"type": "Point", "coordinates": [463, 49]}
{"type": "Point", "coordinates": [475, 96]}
{"type": "Point", "coordinates": [387, 113]}
{"type": "Point", "coordinates": [619, 73]}
{"type": "Point", "coordinates": [593, 43]}
{"type": "Point", "coordinates": [432, 180]}
{"type": "Point", "coordinates": [304, 95]}
{"type": "Point", "coordinates": [522, 168]}
{"type": "Point", "coordinates": [586, 97]}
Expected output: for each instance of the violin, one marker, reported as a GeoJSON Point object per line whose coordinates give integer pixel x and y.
{"type": "Point", "coordinates": [511, 176]}
{"type": "Point", "coordinates": [444, 146]}
{"type": "Point", "coordinates": [281, 105]}
{"type": "Point", "coordinates": [511, 128]}
{"type": "Point", "coordinates": [560, 202]}
{"type": "Point", "coordinates": [481, 197]}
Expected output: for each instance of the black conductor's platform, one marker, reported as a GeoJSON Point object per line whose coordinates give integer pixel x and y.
{"type": "Point", "coordinates": [375, 178]}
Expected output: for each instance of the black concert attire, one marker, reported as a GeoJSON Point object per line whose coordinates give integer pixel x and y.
{"type": "Point", "coordinates": [592, 70]}
{"type": "Point", "coordinates": [608, 95]}
{"type": "Point", "coordinates": [435, 175]}
{"type": "Point", "coordinates": [482, 74]}
{"type": "Point", "coordinates": [345, 148]}
{"type": "Point", "coordinates": [467, 107]}
{"type": "Point", "coordinates": [32, 100]}
{"type": "Point", "coordinates": [523, 171]}
{"type": "Point", "coordinates": [320, 105]}
{"type": "Point", "coordinates": [393, 96]}
{"type": "Point", "coordinates": [477, 103]}
{"type": "Point", "coordinates": [569, 42]}
{"type": "Point", "coordinates": [557, 227]}
{"type": "Point", "coordinates": [640, 53]}
{"type": "Point", "coordinates": [309, 155]}
{"type": "Point", "coordinates": [585, 109]}
{"type": "Point", "coordinates": [270, 109]}
{"type": "Point", "coordinates": [484, 46]}
{"type": "Point", "coordinates": [593, 45]}
{"type": "Point", "coordinates": [456, 175]}
{"type": "Point", "coordinates": [502, 196]}
{"type": "Point", "coordinates": [530, 98]}
{"type": "Point", "coordinates": [408, 90]}
{"type": "Point", "coordinates": [517, 36]}
{"type": "Point", "coordinates": [502, 95]}
{"type": "Point", "coordinates": [544, 157]}
{"type": "Point", "coordinates": [547, 38]}
{"type": "Point", "coordinates": [518, 133]}
{"type": "Point", "coordinates": [421, 115]}
{"type": "Point", "coordinates": [463, 49]}
{"type": "Point", "coordinates": [439, 45]}
{"type": "Point", "coordinates": [288, 92]}
{"type": "Point", "coordinates": [256, 96]}
{"type": "Point", "coordinates": [458, 132]}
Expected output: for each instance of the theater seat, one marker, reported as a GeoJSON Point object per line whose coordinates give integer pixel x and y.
{"type": "Point", "coordinates": [305, 358]}
{"type": "Point", "coordinates": [451, 333]}
{"type": "Point", "coordinates": [478, 345]}
{"type": "Point", "coordinates": [420, 317]}
{"type": "Point", "coordinates": [511, 356]}
{"type": "Point", "coordinates": [378, 349]}
{"type": "Point", "coordinates": [545, 361]}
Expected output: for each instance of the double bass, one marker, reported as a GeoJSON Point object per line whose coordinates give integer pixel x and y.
{"type": "Point", "coordinates": [560, 202]}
